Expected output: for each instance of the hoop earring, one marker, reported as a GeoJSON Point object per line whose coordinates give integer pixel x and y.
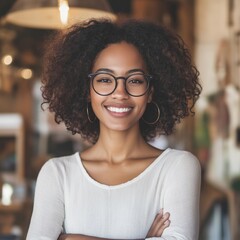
{"type": "Point", "coordinates": [158, 115]}
{"type": "Point", "coordinates": [88, 116]}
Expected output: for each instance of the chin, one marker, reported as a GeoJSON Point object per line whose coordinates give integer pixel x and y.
{"type": "Point", "coordinates": [120, 127]}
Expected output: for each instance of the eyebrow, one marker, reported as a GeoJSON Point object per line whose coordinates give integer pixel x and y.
{"type": "Point", "coordinates": [128, 72]}
{"type": "Point", "coordinates": [135, 70]}
{"type": "Point", "coordinates": [104, 70]}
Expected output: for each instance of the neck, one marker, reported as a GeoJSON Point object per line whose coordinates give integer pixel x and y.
{"type": "Point", "coordinates": [117, 146]}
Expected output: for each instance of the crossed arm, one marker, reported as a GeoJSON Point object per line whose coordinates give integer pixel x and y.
{"type": "Point", "coordinates": [160, 222]}
{"type": "Point", "coordinates": [181, 199]}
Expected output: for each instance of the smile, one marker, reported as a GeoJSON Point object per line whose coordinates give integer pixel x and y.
{"type": "Point", "coordinates": [118, 110]}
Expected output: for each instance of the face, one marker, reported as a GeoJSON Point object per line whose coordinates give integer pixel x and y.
{"type": "Point", "coordinates": [119, 110]}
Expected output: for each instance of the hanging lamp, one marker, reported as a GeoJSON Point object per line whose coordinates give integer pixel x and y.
{"type": "Point", "coordinates": [57, 14]}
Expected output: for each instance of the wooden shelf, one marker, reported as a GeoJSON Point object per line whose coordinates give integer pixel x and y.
{"type": "Point", "coordinates": [12, 125]}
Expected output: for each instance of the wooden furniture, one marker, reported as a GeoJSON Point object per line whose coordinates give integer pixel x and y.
{"type": "Point", "coordinates": [11, 125]}
{"type": "Point", "coordinates": [11, 151]}
{"type": "Point", "coordinates": [8, 215]}
{"type": "Point", "coordinates": [18, 213]}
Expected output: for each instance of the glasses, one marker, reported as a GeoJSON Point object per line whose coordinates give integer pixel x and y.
{"type": "Point", "coordinates": [104, 84]}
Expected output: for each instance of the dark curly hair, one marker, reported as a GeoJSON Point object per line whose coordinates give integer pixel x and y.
{"type": "Point", "coordinates": [70, 56]}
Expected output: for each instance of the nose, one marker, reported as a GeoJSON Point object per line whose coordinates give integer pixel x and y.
{"type": "Point", "coordinates": [120, 91]}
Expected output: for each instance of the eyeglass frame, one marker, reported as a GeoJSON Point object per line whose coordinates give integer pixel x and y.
{"type": "Point", "coordinates": [146, 76]}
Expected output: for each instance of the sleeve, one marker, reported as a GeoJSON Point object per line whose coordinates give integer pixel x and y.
{"type": "Point", "coordinates": [48, 211]}
{"type": "Point", "coordinates": [181, 199]}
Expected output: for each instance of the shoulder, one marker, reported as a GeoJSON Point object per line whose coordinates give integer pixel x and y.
{"type": "Point", "coordinates": [183, 160]}
{"type": "Point", "coordinates": [59, 165]}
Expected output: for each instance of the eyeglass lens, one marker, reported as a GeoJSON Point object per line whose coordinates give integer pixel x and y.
{"type": "Point", "coordinates": [105, 84]}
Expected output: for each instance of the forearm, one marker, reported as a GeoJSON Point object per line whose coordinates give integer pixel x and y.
{"type": "Point", "coordinates": [160, 222]}
{"type": "Point", "coordinates": [83, 237]}
{"type": "Point", "coordinates": [77, 237]}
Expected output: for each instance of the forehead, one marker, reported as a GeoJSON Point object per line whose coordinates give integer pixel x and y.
{"type": "Point", "coordinates": [119, 57]}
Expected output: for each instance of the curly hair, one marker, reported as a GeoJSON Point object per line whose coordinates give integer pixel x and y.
{"type": "Point", "coordinates": [70, 57]}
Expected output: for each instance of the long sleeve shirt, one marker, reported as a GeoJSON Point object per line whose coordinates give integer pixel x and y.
{"type": "Point", "coordinates": [68, 199]}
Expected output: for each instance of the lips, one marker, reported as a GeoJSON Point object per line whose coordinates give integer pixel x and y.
{"type": "Point", "coordinates": [118, 109]}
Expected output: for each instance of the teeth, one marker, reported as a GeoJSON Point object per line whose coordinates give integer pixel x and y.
{"type": "Point", "coordinates": [118, 110]}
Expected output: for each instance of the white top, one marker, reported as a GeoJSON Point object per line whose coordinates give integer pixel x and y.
{"type": "Point", "coordinates": [68, 199]}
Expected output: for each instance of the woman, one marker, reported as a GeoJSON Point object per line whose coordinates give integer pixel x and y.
{"type": "Point", "coordinates": [118, 86]}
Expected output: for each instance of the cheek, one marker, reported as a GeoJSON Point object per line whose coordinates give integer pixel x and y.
{"type": "Point", "coordinates": [94, 97]}
{"type": "Point", "coordinates": [95, 101]}
{"type": "Point", "coordinates": [143, 105]}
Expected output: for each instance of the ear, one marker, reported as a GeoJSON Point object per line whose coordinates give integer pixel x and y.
{"type": "Point", "coordinates": [150, 94]}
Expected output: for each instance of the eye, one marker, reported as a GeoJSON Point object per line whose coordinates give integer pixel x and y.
{"type": "Point", "coordinates": [104, 80]}
{"type": "Point", "coordinates": [136, 80]}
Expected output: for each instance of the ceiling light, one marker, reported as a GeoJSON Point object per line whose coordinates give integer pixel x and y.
{"type": "Point", "coordinates": [26, 73]}
{"type": "Point", "coordinates": [7, 59]}
{"type": "Point", "coordinates": [56, 14]}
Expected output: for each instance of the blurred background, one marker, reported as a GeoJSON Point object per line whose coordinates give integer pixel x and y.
{"type": "Point", "coordinates": [29, 136]}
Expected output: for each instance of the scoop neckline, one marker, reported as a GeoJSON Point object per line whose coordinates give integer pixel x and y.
{"type": "Point", "coordinates": [124, 184]}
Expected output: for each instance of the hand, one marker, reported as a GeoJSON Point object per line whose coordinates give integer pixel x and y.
{"type": "Point", "coordinates": [160, 222]}
{"type": "Point", "coordinates": [70, 237]}
{"type": "Point", "coordinates": [77, 237]}
{"type": "Point", "coordinates": [62, 237]}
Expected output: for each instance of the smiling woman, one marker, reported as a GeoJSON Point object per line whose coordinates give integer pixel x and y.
{"type": "Point", "coordinates": [101, 79]}
{"type": "Point", "coordinates": [119, 101]}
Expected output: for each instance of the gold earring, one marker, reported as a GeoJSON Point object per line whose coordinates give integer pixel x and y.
{"type": "Point", "coordinates": [158, 115]}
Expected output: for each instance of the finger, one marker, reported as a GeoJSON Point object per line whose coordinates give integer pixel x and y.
{"type": "Point", "coordinates": [158, 230]}
{"type": "Point", "coordinates": [162, 228]}
{"type": "Point", "coordinates": [161, 222]}
{"type": "Point", "coordinates": [157, 219]}
{"type": "Point", "coordinates": [153, 226]}
{"type": "Point", "coordinates": [158, 223]}
{"type": "Point", "coordinates": [163, 219]}
{"type": "Point", "coordinates": [158, 216]}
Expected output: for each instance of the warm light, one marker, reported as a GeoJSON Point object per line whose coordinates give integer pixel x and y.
{"type": "Point", "coordinates": [57, 14]}
{"type": "Point", "coordinates": [7, 59]}
{"type": "Point", "coordinates": [7, 191]}
{"type": "Point", "coordinates": [63, 9]}
{"type": "Point", "coordinates": [26, 73]}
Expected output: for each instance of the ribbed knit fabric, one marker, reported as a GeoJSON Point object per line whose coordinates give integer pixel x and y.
{"type": "Point", "coordinates": [68, 199]}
